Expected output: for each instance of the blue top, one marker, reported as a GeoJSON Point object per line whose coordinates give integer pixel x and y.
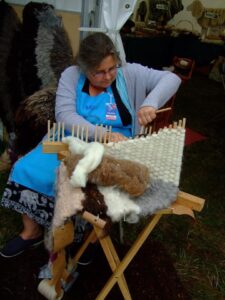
{"type": "Point", "coordinates": [37, 170]}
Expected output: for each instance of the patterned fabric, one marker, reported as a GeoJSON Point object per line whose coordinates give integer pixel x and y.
{"type": "Point", "coordinates": [25, 201]}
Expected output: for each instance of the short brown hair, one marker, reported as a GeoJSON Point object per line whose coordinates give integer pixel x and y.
{"type": "Point", "coordinates": [93, 49]}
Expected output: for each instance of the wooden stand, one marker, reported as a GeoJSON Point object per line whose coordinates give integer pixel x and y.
{"type": "Point", "coordinates": [184, 204]}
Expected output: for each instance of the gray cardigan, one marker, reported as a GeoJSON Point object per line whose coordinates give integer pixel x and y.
{"type": "Point", "coordinates": [145, 87]}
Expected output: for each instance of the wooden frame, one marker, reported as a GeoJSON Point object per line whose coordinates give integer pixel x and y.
{"type": "Point", "coordinates": [184, 204]}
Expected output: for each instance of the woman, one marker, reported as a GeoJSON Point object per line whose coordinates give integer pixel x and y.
{"type": "Point", "coordinates": [97, 90]}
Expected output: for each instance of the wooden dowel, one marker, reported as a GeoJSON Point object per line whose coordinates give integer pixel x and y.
{"type": "Point", "coordinates": [100, 136]}
{"type": "Point", "coordinates": [53, 133]}
{"type": "Point", "coordinates": [78, 131]}
{"type": "Point", "coordinates": [63, 130]}
{"type": "Point", "coordinates": [58, 132]}
{"type": "Point", "coordinates": [110, 132]}
{"type": "Point", "coordinates": [142, 130]}
{"type": "Point", "coordinates": [163, 109]}
{"type": "Point", "coordinates": [96, 132]}
{"type": "Point", "coordinates": [72, 132]}
{"type": "Point", "coordinates": [174, 125]}
{"type": "Point", "coordinates": [105, 135]}
{"type": "Point", "coordinates": [86, 134]}
{"type": "Point", "coordinates": [49, 129]}
{"type": "Point", "coordinates": [82, 133]}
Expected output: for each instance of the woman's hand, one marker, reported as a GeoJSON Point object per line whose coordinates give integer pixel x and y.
{"type": "Point", "coordinates": [146, 114]}
{"type": "Point", "coordinates": [114, 137]}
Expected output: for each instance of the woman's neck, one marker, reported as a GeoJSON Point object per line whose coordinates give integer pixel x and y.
{"type": "Point", "coordinates": [95, 90]}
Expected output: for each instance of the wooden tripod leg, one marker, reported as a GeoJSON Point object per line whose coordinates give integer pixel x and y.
{"type": "Point", "coordinates": [129, 256]}
{"type": "Point", "coordinates": [117, 260]}
{"type": "Point", "coordinates": [77, 256]}
{"type": "Point", "coordinates": [114, 261]}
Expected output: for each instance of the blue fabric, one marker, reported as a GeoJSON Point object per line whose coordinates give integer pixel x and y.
{"type": "Point", "coordinates": [122, 89]}
{"type": "Point", "coordinates": [37, 171]}
{"type": "Point", "coordinates": [95, 109]}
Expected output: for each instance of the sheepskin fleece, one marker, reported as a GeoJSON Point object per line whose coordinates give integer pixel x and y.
{"type": "Point", "coordinates": [158, 196]}
{"type": "Point", "coordinates": [120, 205]}
{"type": "Point", "coordinates": [68, 199]}
{"type": "Point", "coordinates": [31, 118]}
{"type": "Point", "coordinates": [162, 154]}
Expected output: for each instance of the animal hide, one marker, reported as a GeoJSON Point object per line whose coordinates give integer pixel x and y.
{"type": "Point", "coordinates": [10, 90]}
{"type": "Point", "coordinates": [53, 50]}
{"type": "Point", "coordinates": [46, 52]}
{"type": "Point", "coordinates": [68, 199]}
{"type": "Point", "coordinates": [31, 116]}
{"type": "Point", "coordinates": [71, 201]}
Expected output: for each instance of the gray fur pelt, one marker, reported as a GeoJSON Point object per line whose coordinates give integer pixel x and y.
{"type": "Point", "coordinates": [53, 50]}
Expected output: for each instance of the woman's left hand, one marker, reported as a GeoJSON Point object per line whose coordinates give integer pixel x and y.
{"type": "Point", "coordinates": [114, 137]}
{"type": "Point", "coordinates": [146, 114]}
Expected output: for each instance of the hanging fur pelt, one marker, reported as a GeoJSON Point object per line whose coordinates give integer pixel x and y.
{"type": "Point", "coordinates": [53, 49]}
{"type": "Point", "coordinates": [31, 119]}
{"type": "Point", "coordinates": [10, 93]}
{"type": "Point", "coordinates": [46, 53]}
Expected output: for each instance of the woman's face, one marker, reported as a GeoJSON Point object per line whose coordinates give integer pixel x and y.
{"type": "Point", "coordinates": [104, 74]}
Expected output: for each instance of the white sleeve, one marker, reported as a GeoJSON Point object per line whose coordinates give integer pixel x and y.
{"type": "Point", "coordinates": [163, 85]}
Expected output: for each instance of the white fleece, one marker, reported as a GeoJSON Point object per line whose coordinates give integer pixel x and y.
{"type": "Point", "coordinates": [120, 205]}
{"type": "Point", "coordinates": [92, 152]}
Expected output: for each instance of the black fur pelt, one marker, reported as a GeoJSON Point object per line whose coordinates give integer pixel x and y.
{"type": "Point", "coordinates": [10, 84]}
{"type": "Point", "coordinates": [31, 119]}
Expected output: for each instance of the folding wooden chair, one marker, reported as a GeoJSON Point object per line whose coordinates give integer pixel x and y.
{"type": "Point", "coordinates": [183, 204]}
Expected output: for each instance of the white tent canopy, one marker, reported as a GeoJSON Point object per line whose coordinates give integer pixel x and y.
{"type": "Point", "coordinates": [114, 14]}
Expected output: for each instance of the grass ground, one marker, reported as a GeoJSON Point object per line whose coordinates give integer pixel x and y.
{"type": "Point", "coordinates": [197, 247]}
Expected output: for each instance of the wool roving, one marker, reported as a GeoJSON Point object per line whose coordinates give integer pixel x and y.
{"type": "Point", "coordinates": [92, 152]}
{"type": "Point", "coordinates": [130, 177]}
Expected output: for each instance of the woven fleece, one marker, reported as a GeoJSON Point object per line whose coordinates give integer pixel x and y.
{"type": "Point", "coordinates": [162, 153]}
